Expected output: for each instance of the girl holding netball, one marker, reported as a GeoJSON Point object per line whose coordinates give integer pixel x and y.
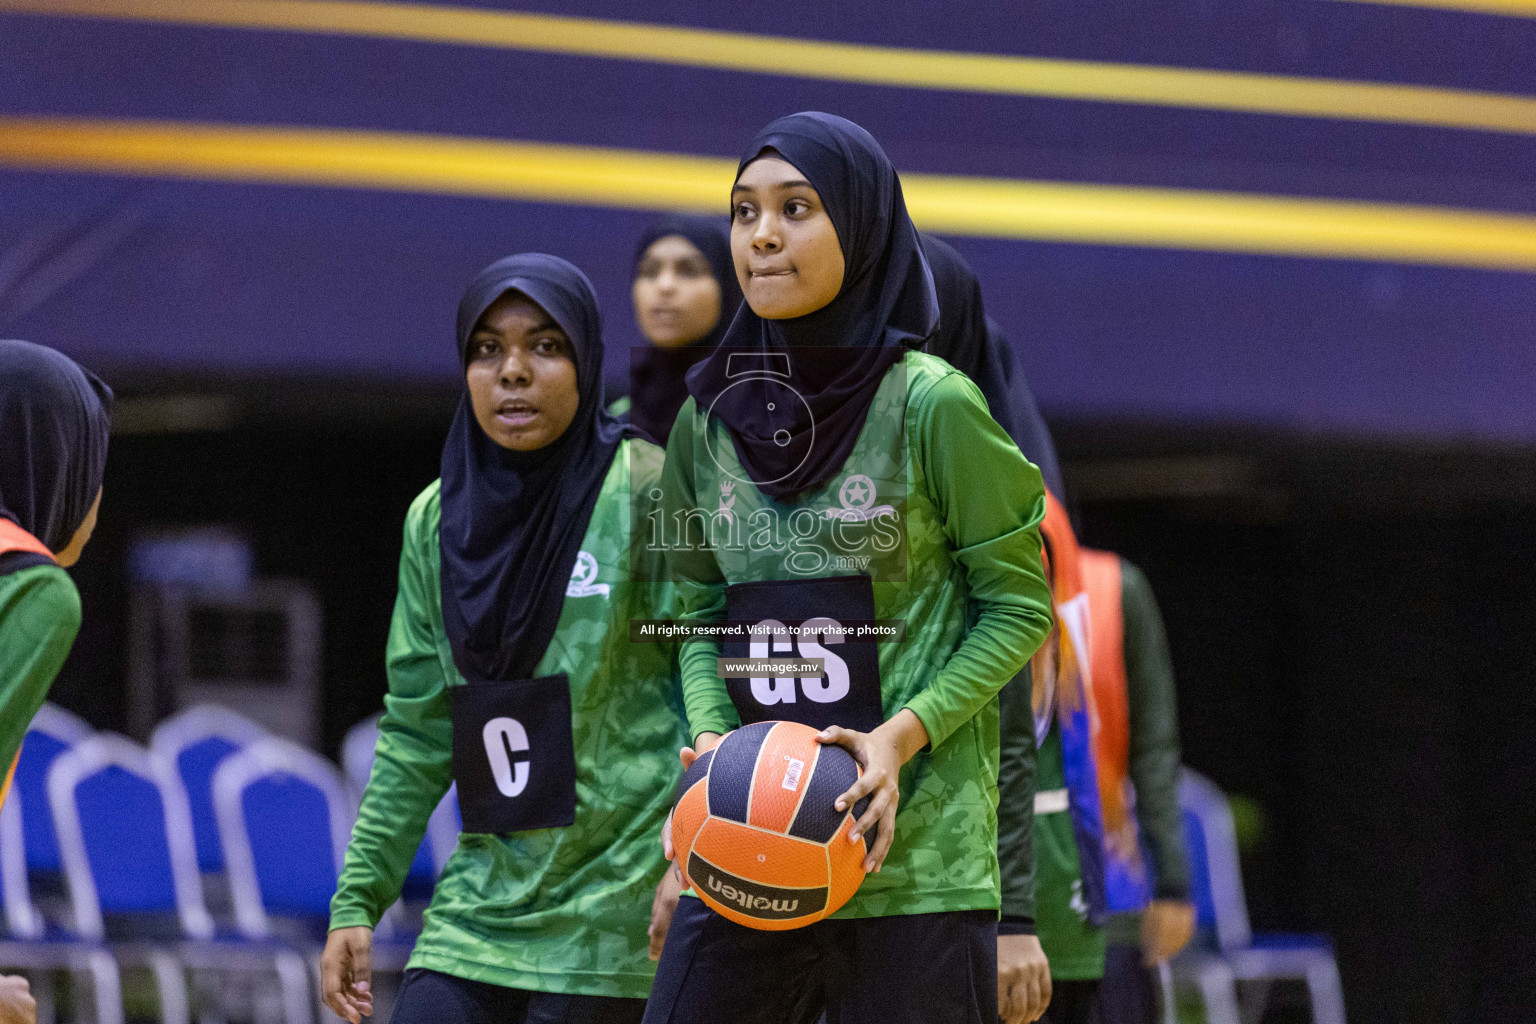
{"type": "Point", "coordinates": [845, 475]}
{"type": "Point", "coordinates": [54, 420]}
{"type": "Point", "coordinates": [511, 673]}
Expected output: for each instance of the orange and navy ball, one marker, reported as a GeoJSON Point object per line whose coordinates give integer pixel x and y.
{"type": "Point", "coordinates": [756, 832]}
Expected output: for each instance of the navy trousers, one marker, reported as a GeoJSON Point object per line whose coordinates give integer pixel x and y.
{"type": "Point", "coordinates": [912, 969]}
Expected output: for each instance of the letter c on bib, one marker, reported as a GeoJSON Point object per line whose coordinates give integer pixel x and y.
{"type": "Point", "coordinates": [505, 737]}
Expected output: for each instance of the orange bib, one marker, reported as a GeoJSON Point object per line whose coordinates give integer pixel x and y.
{"type": "Point", "coordinates": [1106, 674]}
{"type": "Point", "coordinates": [1056, 668]}
{"type": "Point", "coordinates": [14, 538]}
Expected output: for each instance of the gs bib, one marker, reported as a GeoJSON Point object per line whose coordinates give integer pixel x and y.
{"type": "Point", "coordinates": [802, 619]}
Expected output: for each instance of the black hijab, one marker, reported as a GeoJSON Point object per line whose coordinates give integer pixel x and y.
{"type": "Point", "coordinates": [512, 521]}
{"type": "Point", "coordinates": [54, 421]}
{"type": "Point", "coordinates": [838, 354]}
{"type": "Point", "coordinates": [657, 388]}
{"type": "Point", "coordinates": [974, 344]}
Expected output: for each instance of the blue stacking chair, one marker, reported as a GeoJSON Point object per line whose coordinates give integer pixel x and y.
{"type": "Point", "coordinates": [284, 818]}
{"type": "Point", "coordinates": [197, 741]}
{"type": "Point", "coordinates": [442, 828]}
{"type": "Point", "coordinates": [1221, 911]}
{"type": "Point", "coordinates": [22, 920]}
{"type": "Point", "coordinates": [52, 732]}
{"type": "Point", "coordinates": [124, 827]}
{"type": "Point", "coordinates": [26, 943]}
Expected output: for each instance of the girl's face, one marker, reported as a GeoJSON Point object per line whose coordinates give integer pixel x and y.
{"type": "Point", "coordinates": [677, 299]}
{"type": "Point", "coordinates": [521, 375]}
{"type": "Point", "coordinates": [785, 248]}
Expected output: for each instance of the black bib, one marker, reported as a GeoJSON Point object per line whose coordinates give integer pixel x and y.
{"type": "Point", "coordinates": [513, 755]}
{"type": "Point", "coordinates": [847, 693]}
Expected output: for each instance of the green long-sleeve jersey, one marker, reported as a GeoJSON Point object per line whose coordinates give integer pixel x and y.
{"type": "Point", "coordinates": [961, 568]}
{"type": "Point", "coordinates": [1154, 713]}
{"type": "Point", "coordinates": [39, 617]}
{"type": "Point", "coordinates": [1152, 704]}
{"type": "Point", "coordinates": [553, 910]}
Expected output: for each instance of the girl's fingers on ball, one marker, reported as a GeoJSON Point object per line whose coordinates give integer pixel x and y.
{"type": "Point", "coordinates": [876, 858]}
{"type": "Point", "coordinates": [856, 792]}
{"type": "Point", "coordinates": [872, 814]}
{"type": "Point", "coordinates": [886, 836]}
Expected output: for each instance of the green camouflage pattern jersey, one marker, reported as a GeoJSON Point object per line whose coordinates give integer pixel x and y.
{"type": "Point", "coordinates": [956, 557]}
{"type": "Point", "coordinates": [39, 617]}
{"type": "Point", "coordinates": [552, 910]}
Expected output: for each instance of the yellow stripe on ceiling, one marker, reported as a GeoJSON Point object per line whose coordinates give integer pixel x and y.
{"type": "Point", "coordinates": [589, 176]}
{"type": "Point", "coordinates": [844, 62]}
{"type": "Point", "coordinates": [1509, 8]}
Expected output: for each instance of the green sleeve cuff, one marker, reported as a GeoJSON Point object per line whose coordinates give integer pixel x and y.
{"type": "Point", "coordinates": [719, 728]}
{"type": "Point", "coordinates": [351, 917]}
{"type": "Point", "coordinates": [933, 721]}
{"type": "Point", "coordinates": [1016, 924]}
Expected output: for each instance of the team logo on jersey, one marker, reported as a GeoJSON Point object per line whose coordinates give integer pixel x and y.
{"type": "Point", "coordinates": [858, 499]}
{"type": "Point", "coordinates": [582, 576]}
{"type": "Point", "coordinates": [727, 498]}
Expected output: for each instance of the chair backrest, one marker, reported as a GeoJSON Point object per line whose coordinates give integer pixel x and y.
{"type": "Point", "coordinates": [125, 836]}
{"type": "Point", "coordinates": [53, 731]}
{"type": "Point", "coordinates": [22, 921]}
{"type": "Point", "coordinates": [197, 741]}
{"type": "Point", "coordinates": [1216, 876]}
{"type": "Point", "coordinates": [442, 828]}
{"type": "Point", "coordinates": [284, 817]}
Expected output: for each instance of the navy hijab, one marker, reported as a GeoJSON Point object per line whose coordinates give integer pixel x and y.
{"type": "Point", "coordinates": [838, 354]}
{"type": "Point", "coordinates": [513, 522]}
{"type": "Point", "coordinates": [974, 344]}
{"type": "Point", "coordinates": [54, 421]}
{"type": "Point", "coordinates": [657, 388]}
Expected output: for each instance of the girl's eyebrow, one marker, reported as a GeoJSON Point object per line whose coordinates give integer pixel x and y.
{"type": "Point", "coordinates": [543, 325]}
{"type": "Point", "coordinates": [793, 183]}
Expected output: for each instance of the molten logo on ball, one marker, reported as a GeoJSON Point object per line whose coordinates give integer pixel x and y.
{"type": "Point", "coordinates": [759, 901]}
{"type": "Point", "coordinates": [757, 831]}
